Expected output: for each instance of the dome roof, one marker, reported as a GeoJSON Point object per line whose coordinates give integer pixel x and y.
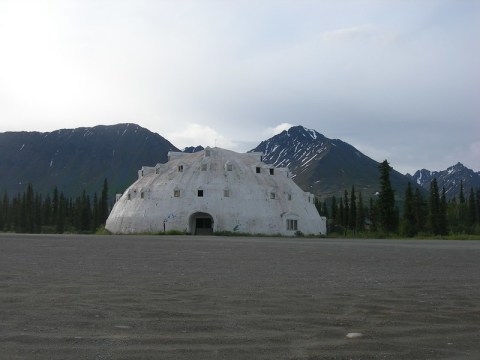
{"type": "Point", "coordinates": [215, 190]}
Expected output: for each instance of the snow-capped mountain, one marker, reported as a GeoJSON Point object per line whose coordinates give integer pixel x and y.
{"type": "Point", "coordinates": [325, 166]}
{"type": "Point", "coordinates": [450, 179]}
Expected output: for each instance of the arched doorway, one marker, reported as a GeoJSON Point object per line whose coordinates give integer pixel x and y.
{"type": "Point", "coordinates": [201, 224]}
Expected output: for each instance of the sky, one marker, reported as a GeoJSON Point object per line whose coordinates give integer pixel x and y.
{"type": "Point", "coordinates": [397, 79]}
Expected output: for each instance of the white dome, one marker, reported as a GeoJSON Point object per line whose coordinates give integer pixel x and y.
{"type": "Point", "coordinates": [215, 190]}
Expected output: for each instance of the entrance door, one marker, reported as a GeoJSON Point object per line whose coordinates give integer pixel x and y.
{"type": "Point", "coordinates": [201, 224]}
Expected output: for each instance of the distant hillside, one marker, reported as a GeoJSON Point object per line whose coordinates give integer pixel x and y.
{"type": "Point", "coordinates": [77, 159]}
{"type": "Point", "coordinates": [324, 166]}
{"type": "Point", "coordinates": [193, 149]}
{"type": "Point", "coordinates": [450, 179]}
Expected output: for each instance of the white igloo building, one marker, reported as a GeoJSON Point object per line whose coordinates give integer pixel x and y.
{"type": "Point", "coordinates": [215, 190]}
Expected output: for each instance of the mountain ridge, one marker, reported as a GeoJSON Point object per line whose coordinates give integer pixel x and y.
{"type": "Point", "coordinates": [80, 158]}
{"type": "Point", "coordinates": [451, 179]}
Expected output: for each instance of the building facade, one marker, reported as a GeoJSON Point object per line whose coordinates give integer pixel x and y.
{"type": "Point", "coordinates": [215, 190]}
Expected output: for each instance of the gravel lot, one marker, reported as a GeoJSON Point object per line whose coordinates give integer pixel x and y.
{"type": "Point", "coordinates": [186, 297]}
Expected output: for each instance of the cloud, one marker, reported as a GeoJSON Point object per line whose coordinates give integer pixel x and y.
{"type": "Point", "coordinates": [354, 32]}
{"type": "Point", "coordinates": [277, 129]}
{"type": "Point", "coordinates": [196, 134]}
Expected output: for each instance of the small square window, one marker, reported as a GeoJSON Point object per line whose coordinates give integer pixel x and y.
{"type": "Point", "coordinates": [292, 224]}
{"type": "Point", "coordinates": [229, 167]}
{"type": "Point", "coordinates": [257, 170]}
{"type": "Point", "coordinates": [226, 193]}
{"type": "Point", "coordinates": [271, 171]}
{"type": "Point", "coordinates": [180, 168]}
{"type": "Point", "coordinates": [272, 195]}
{"type": "Point", "coordinates": [200, 193]}
{"type": "Point", "coordinates": [176, 193]}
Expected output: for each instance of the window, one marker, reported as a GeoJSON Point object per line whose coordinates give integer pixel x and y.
{"type": "Point", "coordinates": [129, 196]}
{"type": "Point", "coordinates": [289, 196]}
{"type": "Point", "coordinates": [176, 193]}
{"type": "Point", "coordinates": [203, 167]}
{"type": "Point", "coordinates": [272, 195]}
{"type": "Point", "coordinates": [226, 193]}
{"type": "Point", "coordinates": [180, 168]}
{"type": "Point", "coordinates": [257, 170]}
{"type": "Point", "coordinates": [292, 224]}
{"type": "Point", "coordinates": [157, 171]}
{"type": "Point", "coordinates": [229, 167]}
{"type": "Point", "coordinates": [142, 195]}
{"type": "Point", "coordinates": [200, 193]}
{"type": "Point", "coordinates": [271, 171]}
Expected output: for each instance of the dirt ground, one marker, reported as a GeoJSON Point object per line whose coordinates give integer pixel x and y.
{"type": "Point", "coordinates": [161, 297]}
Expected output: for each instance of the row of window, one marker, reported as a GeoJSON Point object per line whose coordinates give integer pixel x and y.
{"type": "Point", "coordinates": [200, 192]}
{"type": "Point", "coordinates": [228, 167]}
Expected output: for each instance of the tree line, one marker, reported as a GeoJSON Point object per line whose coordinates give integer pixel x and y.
{"type": "Point", "coordinates": [31, 212]}
{"type": "Point", "coordinates": [421, 214]}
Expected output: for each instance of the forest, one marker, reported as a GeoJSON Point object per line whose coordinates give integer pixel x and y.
{"type": "Point", "coordinates": [30, 212]}
{"type": "Point", "coordinates": [418, 215]}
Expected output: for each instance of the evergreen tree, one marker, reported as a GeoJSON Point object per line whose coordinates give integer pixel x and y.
{"type": "Point", "coordinates": [346, 210]}
{"type": "Point", "coordinates": [420, 210]}
{"type": "Point", "coordinates": [325, 209]}
{"type": "Point", "coordinates": [462, 210]}
{"type": "Point", "coordinates": [104, 203]}
{"type": "Point", "coordinates": [387, 218]}
{"type": "Point", "coordinates": [478, 207]}
{"type": "Point", "coordinates": [472, 211]}
{"type": "Point", "coordinates": [334, 208]}
{"type": "Point", "coordinates": [360, 218]}
{"type": "Point", "coordinates": [373, 212]}
{"type": "Point", "coordinates": [95, 214]}
{"type": "Point", "coordinates": [4, 213]}
{"type": "Point", "coordinates": [353, 210]}
{"type": "Point", "coordinates": [61, 204]}
{"type": "Point", "coordinates": [442, 214]}
{"type": "Point", "coordinates": [409, 225]}
{"type": "Point", "coordinates": [434, 208]}
{"type": "Point", "coordinates": [341, 213]}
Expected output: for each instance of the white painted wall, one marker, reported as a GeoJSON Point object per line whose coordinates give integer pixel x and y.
{"type": "Point", "coordinates": [249, 207]}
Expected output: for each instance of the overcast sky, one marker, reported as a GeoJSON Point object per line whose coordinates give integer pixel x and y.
{"type": "Point", "coordinates": [398, 79]}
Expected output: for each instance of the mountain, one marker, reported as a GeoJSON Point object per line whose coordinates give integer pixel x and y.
{"type": "Point", "coordinates": [324, 166]}
{"type": "Point", "coordinates": [78, 159]}
{"type": "Point", "coordinates": [193, 149]}
{"type": "Point", "coordinates": [450, 179]}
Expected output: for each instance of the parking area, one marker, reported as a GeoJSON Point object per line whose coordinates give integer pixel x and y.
{"type": "Point", "coordinates": [207, 297]}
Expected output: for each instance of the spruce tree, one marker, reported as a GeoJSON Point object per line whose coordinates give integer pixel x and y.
{"type": "Point", "coordinates": [104, 203]}
{"type": "Point", "coordinates": [334, 208]}
{"type": "Point", "coordinates": [409, 226]}
{"type": "Point", "coordinates": [442, 214]}
{"type": "Point", "coordinates": [462, 211]}
{"type": "Point", "coordinates": [386, 200]}
{"type": "Point", "coordinates": [360, 221]}
{"type": "Point", "coordinates": [472, 211]}
{"type": "Point", "coordinates": [353, 210]}
{"type": "Point", "coordinates": [346, 210]}
{"type": "Point", "coordinates": [420, 211]}
{"type": "Point", "coordinates": [434, 208]}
